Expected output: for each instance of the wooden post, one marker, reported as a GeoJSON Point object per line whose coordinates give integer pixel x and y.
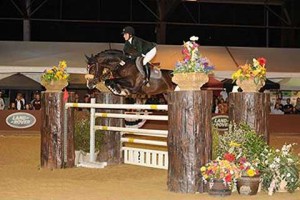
{"type": "Point", "coordinates": [52, 144]}
{"type": "Point", "coordinates": [110, 151]}
{"type": "Point", "coordinates": [189, 139]}
{"type": "Point", "coordinates": [252, 108]}
{"type": "Point", "coordinates": [70, 160]}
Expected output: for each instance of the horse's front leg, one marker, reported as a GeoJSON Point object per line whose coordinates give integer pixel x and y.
{"type": "Point", "coordinates": [129, 83]}
{"type": "Point", "coordinates": [116, 86]}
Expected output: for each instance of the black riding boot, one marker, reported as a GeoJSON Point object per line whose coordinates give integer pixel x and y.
{"type": "Point", "coordinates": [147, 74]}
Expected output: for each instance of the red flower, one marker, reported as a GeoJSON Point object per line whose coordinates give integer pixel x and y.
{"type": "Point", "coordinates": [228, 178]}
{"type": "Point", "coordinates": [230, 157]}
{"type": "Point", "coordinates": [243, 160]}
{"type": "Point", "coordinates": [262, 61]}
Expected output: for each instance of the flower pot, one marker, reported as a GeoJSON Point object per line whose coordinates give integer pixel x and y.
{"type": "Point", "coordinates": [248, 85]}
{"type": "Point", "coordinates": [54, 86]}
{"type": "Point", "coordinates": [247, 185]}
{"type": "Point", "coordinates": [190, 81]}
{"type": "Point", "coordinates": [217, 187]}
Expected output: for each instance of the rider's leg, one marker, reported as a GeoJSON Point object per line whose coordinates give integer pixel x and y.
{"type": "Point", "coordinates": [147, 74]}
{"type": "Point", "coordinates": [148, 57]}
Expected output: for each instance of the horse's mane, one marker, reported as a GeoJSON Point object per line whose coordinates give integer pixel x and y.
{"type": "Point", "coordinates": [111, 53]}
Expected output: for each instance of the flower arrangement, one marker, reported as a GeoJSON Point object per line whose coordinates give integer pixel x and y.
{"type": "Point", "coordinates": [193, 61]}
{"type": "Point", "coordinates": [255, 71]}
{"type": "Point", "coordinates": [278, 169]}
{"type": "Point", "coordinates": [56, 73]}
{"type": "Point", "coordinates": [281, 170]}
{"type": "Point", "coordinates": [248, 168]}
{"type": "Point", "coordinates": [244, 143]}
{"type": "Point", "coordinates": [220, 169]}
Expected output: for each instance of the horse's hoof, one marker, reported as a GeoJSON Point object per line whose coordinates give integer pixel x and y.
{"type": "Point", "coordinates": [147, 85]}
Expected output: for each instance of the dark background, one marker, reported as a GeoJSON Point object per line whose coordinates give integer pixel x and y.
{"type": "Point", "coordinates": [262, 24]}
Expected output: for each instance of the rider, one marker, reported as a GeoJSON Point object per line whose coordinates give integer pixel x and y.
{"type": "Point", "coordinates": [140, 47]}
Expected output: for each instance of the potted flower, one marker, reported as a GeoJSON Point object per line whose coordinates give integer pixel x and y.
{"type": "Point", "coordinates": [220, 175]}
{"type": "Point", "coordinates": [248, 183]}
{"type": "Point", "coordinates": [281, 170]}
{"type": "Point", "coordinates": [251, 77]}
{"type": "Point", "coordinates": [242, 141]}
{"type": "Point", "coordinates": [56, 78]}
{"type": "Point", "coordinates": [244, 147]}
{"type": "Point", "coordinates": [192, 72]}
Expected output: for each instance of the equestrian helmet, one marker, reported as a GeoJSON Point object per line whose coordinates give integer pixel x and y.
{"type": "Point", "coordinates": [129, 30]}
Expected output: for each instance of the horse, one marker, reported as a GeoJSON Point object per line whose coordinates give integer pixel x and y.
{"type": "Point", "coordinates": [124, 76]}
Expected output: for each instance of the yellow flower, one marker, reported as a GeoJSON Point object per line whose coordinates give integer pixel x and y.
{"type": "Point", "coordinates": [203, 168]}
{"type": "Point", "coordinates": [56, 73]}
{"type": "Point", "coordinates": [250, 172]}
{"type": "Point", "coordinates": [62, 64]}
{"type": "Point", "coordinates": [49, 71]}
{"type": "Point", "coordinates": [234, 144]}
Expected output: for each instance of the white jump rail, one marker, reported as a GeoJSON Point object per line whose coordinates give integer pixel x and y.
{"type": "Point", "coordinates": [136, 131]}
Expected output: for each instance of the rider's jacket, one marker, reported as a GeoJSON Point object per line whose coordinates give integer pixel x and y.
{"type": "Point", "coordinates": [138, 47]}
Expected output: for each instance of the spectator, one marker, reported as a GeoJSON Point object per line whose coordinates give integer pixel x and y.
{"type": "Point", "coordinates": [13, 106]}
{"type": "Point", "coordinates": [86, 99]}
{"type": "Point", "coordinates": [77, 99]}
{"type": "Point", "coordinates": [2, 104]}
{"type": "Point", "coordinates": [20, 102]}
{"type": "Point", "coordinates": [36, 103]}
{"type": "Point", "coordinates": [288, 107]}
{"type": "Point", "coordinates": [278, 100]}
{"type": "Point", "coordinates": [28, 107]}
{"type": "Point", "coordinates": [222, 107]}
{"type": "Point", "coordinates": [276, 109]}
{"type": "Point", "coordinates": [297, 106]}
{"type": "Point", "coordinates": [215, 105]}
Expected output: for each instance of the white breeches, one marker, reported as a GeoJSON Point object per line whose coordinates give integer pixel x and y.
{"type": "Point", "coordinates": [149, 56]}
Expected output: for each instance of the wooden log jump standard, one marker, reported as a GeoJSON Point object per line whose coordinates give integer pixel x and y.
{"type": "Point", "coordinates": [70, 148]}
{"type": "Point", "coordinates": [52, 140]}
{"type": "Point", "coordinates": [252, 108]}
{"type": "Point", "coordinates": [110, 151]}
{"type": "Point", "coordinates": [189, 139]}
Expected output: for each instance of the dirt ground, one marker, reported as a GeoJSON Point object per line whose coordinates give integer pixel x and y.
{"type": "Point", "coordinates": [22, 179]}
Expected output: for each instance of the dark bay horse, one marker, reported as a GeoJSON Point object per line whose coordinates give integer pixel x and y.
{"type": "Point", "coordinates": [122, 76]}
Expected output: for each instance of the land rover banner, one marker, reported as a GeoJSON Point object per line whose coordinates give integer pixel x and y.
{"type": "Point", "coordinates": [20, 120]}
{"type": "Point", "coordinates": [220, 122]}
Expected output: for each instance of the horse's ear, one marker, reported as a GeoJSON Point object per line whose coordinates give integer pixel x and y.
{"type": "Point", "coordinates": [86, 57]}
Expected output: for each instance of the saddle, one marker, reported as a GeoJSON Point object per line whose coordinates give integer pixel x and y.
{"type": "Point", "coordinates": [155, 71]}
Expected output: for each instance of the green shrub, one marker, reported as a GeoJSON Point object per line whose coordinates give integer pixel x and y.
{"type": "Point", "coordinates": [215, 143]}
{"type": "Point", "coordinates": [82, 133]}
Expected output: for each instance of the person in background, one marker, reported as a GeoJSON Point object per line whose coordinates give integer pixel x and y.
{"type": "Point", "coordinates": [20, 102]}
{"type": "Point", "coordinates": [77, 99]}
{"type": "Point", "coordinates": [288, 107]}
{"type": "Point", "coordinates": [222, 106]}
{"type": "Point", "coordinates": [2, 104]}
{"type": "Point", "coordinates": [12, 106]}
{"type": "Point", "coordinates": [278, 101]}
{"type": "Point", "coordinates": [276, 109]}
{"type": "Point", "coordinates": [28, 107]}
{"type": "Point", "coordinates": [297, 106]}
{"type": "Point", "coordinates": [36, 103]}
{"type": "Point", "coordinates": [86, 99]}
{"type": "Point", "coordinates": [135, 47]}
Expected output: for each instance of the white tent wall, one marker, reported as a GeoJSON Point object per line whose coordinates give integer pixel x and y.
{"type": "Point", "coordinates": [32, 58]}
